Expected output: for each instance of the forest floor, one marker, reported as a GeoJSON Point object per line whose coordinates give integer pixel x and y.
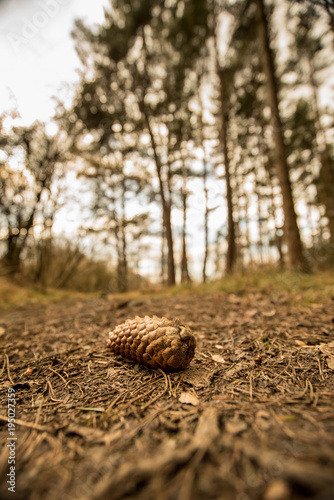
{"type": "Point", "coordinates": [252, 417]}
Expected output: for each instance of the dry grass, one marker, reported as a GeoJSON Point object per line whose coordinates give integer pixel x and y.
{"type": "Point", "coordinates": [16, 294]}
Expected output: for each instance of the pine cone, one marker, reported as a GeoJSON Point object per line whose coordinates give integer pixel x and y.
{"type": "Point", "coordinates": [155, 342]}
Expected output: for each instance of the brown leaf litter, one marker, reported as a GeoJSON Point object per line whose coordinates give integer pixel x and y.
{"type": "Point", "coordinates": [252, 417]}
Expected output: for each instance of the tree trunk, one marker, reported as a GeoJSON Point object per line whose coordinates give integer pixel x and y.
{"type": "Point", "coordinates": [69, 269]}
{"type": "Point", "coordinates": [231, 247]}
{"type": "Point", "coordinates": [217, 253]}
{"type": "Point", "coordinates": [17, 243]}
{"type": "Point", "coordinates": [326, 177]}
{"type": "Point", "coordinates": [260, 220]}
{"type": "Point", "coordinates": [12, 257]}
{"type": "Point", "coordinates": [248, 233]}
{"type": "Point", "coordinates": [44, 259]}
{"type": "Point", "coordinates": [206, 193]}
{"type": "Point", "coordinates": [327, 191]}
{"type": "Point", "coordinates": [206, 221]}
{"type": "Point", "coordinates": [296, 259]}
{"type": "Point", "coordinates": [185, 278]}
{"type": "Point", "coordinates": [123, 263]}
{"type": "Point", "coordinates": [166, 206]}
{"type": "Point", "coordinates": [163, 260]}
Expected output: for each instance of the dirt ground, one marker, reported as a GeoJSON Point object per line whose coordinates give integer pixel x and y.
{"type": "Point", "coordinates": [252, 417]}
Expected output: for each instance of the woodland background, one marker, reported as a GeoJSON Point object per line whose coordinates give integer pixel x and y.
{"type": "Point", "coordinates": [199, 143]}
{"type": "Point", "coordinates": [197, 147]}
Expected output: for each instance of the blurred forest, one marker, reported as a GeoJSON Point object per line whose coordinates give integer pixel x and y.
{"type": "Point", "coordinates": [198, 143]}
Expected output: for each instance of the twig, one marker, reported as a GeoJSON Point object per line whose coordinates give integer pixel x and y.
{"type": "Point", "coordinates": [52, 394]}
{"type": "Point", "coordinates": [3, 367]}
{"type": "Point", "coordinates": [321, 371]}
{"type": "Point", "coordinates": [137, 397]}
{"type": "Point", "coordinates": [54, 371]}
{"type": "Point", "coordinates": [181, 378]}
{"type": "Point", "coordinates": [129, 475]}
{"type": "Point", "coordinates": [29, 425]}
{"type": "Point", "coordinates": [39, 411]}
{"type": "Point", "coordinates": [8, 371]}
{"type": "Point", "coordinates": [284, 370]}
{"type": "Point", "coordinates": [154, 399]}
{"type": "Point", "coordinates": [165, 377]}
{"type": "Point", "coordinates": [113, 403]}
{"type": "Point", "coordinates": [150, 382]}
{"type": "Point", "coordinates": [185, 492]}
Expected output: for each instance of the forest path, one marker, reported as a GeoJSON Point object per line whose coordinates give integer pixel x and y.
{"type": "Point", "coordinates": [251, 417]}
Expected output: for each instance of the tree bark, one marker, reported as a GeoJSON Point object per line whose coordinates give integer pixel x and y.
{"type": "Point", "coordinates": [17, 243]}
{"type": "Point", "coordinates": [166, 206]}
{"type": "Point", "coordinates": [231, 246]}
{"type": "Point", "coordinates": [327, 190]}
{"type": "Point", "coordinates": [123, 263]}
{"type": "Point", "coordinates": [206, 193]}
{"type": "Point", "coordinates": [296, 259]}
{"type": "Point", "coordinates": [163, 260]}
{"type": "Point", "coordinates": [326, 171]}
{"type": "Point", "coordinates": [206, 221]}
{"type": "Point", "coordinates": [166, 203]}
{"type": "Point", "coordinates": [185, 277]}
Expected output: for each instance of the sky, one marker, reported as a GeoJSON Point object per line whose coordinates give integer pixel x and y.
{"type": "Point", "coordinates": [37, 53]}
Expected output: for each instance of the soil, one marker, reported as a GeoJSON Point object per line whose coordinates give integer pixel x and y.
{"type": "Point", "coordinates": [252, 417]}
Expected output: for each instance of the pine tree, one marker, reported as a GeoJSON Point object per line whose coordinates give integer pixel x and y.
{"type": "Point", "coordinates": [315, 56]}
{"type": "Point", "coordinates": [296, 258]}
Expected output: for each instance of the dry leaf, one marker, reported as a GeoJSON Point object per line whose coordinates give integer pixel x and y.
{"type": "Point", "coordinates": [300, 343]}
{"type": "Point", "coordinates": [29, 371]}
{"type": "Point", "coordinates": [269, 314]}
{"type": "Point", "coordinates": [251, 313]}
{"type": "Point", "coordinates": [330, 362]}
{"type": "Point", "coordinates": [328, 350]}
{"type": "Point", "coordinates": [99, 409]}
{"type": "Point", "coordinates": [189, 398]}
{"type": "Point", "coordinates": [217, 358]}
